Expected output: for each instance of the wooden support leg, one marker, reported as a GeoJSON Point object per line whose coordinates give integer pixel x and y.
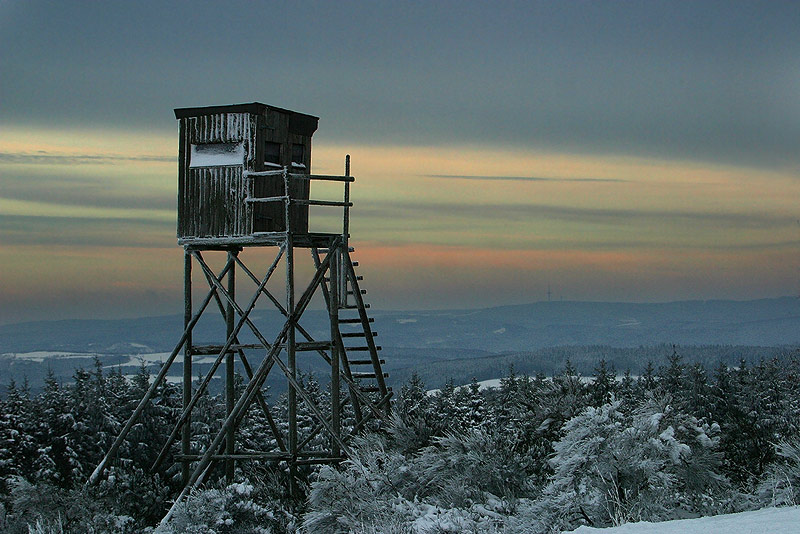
{"type": "Point", "coordinates": [292, 368]}
{"type": "Point", "coordinates": [333, 314]}
{"type": "Point", "coordinates": [186, 437]}
{"type": "Point", "coordinates": [230, 444]}
{"type": "Point", "coordinates": [243, 402]}
{"type": "Point", "coordinates": [217, 286]}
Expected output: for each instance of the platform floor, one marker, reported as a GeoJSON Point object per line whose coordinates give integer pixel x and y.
{"type": "Point", "coordinates": [261, 239]}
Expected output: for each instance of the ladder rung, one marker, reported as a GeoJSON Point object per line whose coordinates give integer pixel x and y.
{"type": "Point", "coordinates": [351, 292]}
{"type": "Point", "coordinates": [357, 334]}
{"type": "Point", "coordinates": [352, 307]}
{"type": "Point", "coordinates": [355, 264]}
{"type": "Point", "coordinates": [361, 349]}
{"type": "Point", "coordinates": [359, 278]}
{"type": "Point", "coordinates": [368, 375]}
{"type": "Point", "coordinates": [356, 320]}
{"type": "Point", "coordinates": [364, 362]}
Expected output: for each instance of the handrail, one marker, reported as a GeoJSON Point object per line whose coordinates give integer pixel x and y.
{"type": "Point", "coordinates": [296, 176]}
{"type": "Point", "coordinates": [320, 202]}
{"type": "Point", "coordinates": [282, 198]}
{"type": "Point", "coordinates": [326, 177]}
{"type": "Point", "coordinates": [288, 201]}
{"type": "Point", "coordinates": [279, 172]}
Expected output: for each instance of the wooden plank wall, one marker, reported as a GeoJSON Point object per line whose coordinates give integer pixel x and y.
{"type": "Point", "coordinates": [211, 200]}
{"type": "Point", "coordinates": [274, 127]}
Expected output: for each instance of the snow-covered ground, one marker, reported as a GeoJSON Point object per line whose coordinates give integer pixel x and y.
{"type": "Point", "coordinates": [766, 521]}
{"type": "Point", "coordinates": [135, 360]}
{"type": "Point", "coordinates": [495, 383]}
{"type": "Point", "coordinates": [483, 384]}
{"type": "Point", "coordinates": [40, 356]}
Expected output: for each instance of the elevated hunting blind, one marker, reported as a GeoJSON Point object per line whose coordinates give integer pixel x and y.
{"type": "Point", "coordinates": [244, 175]}
{"type": "Point", "coordinates": [221, 147]}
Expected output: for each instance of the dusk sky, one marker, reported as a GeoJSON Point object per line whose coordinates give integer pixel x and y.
{"type": "Point", "coordinates": [626, 151]}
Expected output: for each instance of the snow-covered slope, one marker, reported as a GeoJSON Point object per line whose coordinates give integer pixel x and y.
{"type": "Point", "coordinates": [766, 521]}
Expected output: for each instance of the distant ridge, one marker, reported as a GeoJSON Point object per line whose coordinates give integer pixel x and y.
{"type": "Point", "coordinates": [765, 322]}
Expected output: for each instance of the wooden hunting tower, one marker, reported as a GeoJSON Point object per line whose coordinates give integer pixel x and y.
{"type": "Point", "coordinates": [244, 175]}
{"type": "Point", "coordinates": [220, 149]}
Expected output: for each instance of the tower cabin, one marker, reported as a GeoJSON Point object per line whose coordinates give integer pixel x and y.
{"type": "Point", "coordinates": [236, 165]}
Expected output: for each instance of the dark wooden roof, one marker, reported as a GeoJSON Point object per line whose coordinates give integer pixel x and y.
{"type": "Point", "coordinates": [299, 123]}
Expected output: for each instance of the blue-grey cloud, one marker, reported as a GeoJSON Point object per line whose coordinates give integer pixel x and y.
{"type": "Point", "coordinates": [89, 191]}
{"type": "Point", "coordinates": [459, 213]}
{"type": "Point", "coordinates": [84, 231]}
{"type": "Point", "coordinates": [522, 178]}
{"type": "Point", "coordinates": [42, 157]}
{"type": "Point", "coordinates": [708, 80]}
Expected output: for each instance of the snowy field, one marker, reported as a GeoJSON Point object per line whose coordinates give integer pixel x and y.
{"type": "Point", "coordinates": [40, 356]}
{"type": "Point", "coordinates": [766, 521]}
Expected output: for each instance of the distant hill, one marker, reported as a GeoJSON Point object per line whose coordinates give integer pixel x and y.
{"type": "Point", "coordinates": [482, 340]}
{"type": "Point", "coordinates": [765, 322]}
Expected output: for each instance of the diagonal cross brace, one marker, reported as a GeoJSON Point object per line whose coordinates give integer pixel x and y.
{"type": "Point", "coordinates": [352, 385]}
{"type": "Point", "coordinates": [216, 287]}
{"type": "Point", "coordinates": [290, 323]}
{"type": "Point", "coordinates": [243, 358]}
{"type": "Point", "coordinates": [151, 391]}
{"type": "Point", "coordinates": [258, 378]}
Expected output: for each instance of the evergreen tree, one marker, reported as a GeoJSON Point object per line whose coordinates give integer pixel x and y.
{"type": "Point", "coordinates": [17, 442]}
{"type": "Point", "coordinates": [647, 381]}
{"type": "Point", "coordinates": [604, 383]}
{"type": "Point", "coordinates": [57, 461]}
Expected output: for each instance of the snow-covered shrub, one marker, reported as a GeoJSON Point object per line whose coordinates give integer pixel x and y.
{"type": "Point", "coordinates": [444, 488]}
{"type": "Point", "coordinates": [781, 485]}
{"type": "Point", "coordinates": [362, 491]}
{"type": "Point", "coordinates": [131, 491]}
{"type": "Point", "coordinates": [612, 468]}
{"type": "Point", "coordinates": [461, 469]}
{"type": "Point", "coordinates": [233, 509]}
{"type": "Point", "coordinates": [50, 509]}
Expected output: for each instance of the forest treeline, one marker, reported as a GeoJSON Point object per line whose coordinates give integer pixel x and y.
{"type": "Point", "coordinates": [536, 454]}
{"type": "Point", "coordinates": [552, 360]}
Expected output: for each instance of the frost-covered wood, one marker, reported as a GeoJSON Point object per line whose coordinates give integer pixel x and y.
{"type": "Point", "coordinates": [222, 163]}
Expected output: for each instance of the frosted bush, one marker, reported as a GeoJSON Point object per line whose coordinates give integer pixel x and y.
{"type": "Point", "coordinates": [442, 489]}
{"type": "Point", "coordinates": [781, 485]}
{"type": "Point", "coordinates": [611, 468]}
{"type": "Point", "coordinates": [233, 509]}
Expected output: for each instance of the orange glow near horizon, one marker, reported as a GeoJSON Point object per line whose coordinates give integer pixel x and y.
{"type": "Point", "coordinates": [89, 215]}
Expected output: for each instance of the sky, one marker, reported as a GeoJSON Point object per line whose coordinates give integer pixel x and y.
{"type": "Point", "coordinates": [615, 151]}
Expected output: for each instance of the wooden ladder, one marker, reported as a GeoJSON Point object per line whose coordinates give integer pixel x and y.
{"type": "Point", "coordinates": [360, 357]}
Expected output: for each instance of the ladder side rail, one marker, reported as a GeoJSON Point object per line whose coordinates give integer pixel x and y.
{"type": "Point", "coordinates": [348, 375]}
{"type": "Point", "coordinates": [362, 313]}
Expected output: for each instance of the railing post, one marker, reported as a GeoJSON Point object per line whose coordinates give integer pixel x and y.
{"type": "Point", "coordinates": [291, 359]}
{"type": "Point", "coordinates": [345, 233]}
